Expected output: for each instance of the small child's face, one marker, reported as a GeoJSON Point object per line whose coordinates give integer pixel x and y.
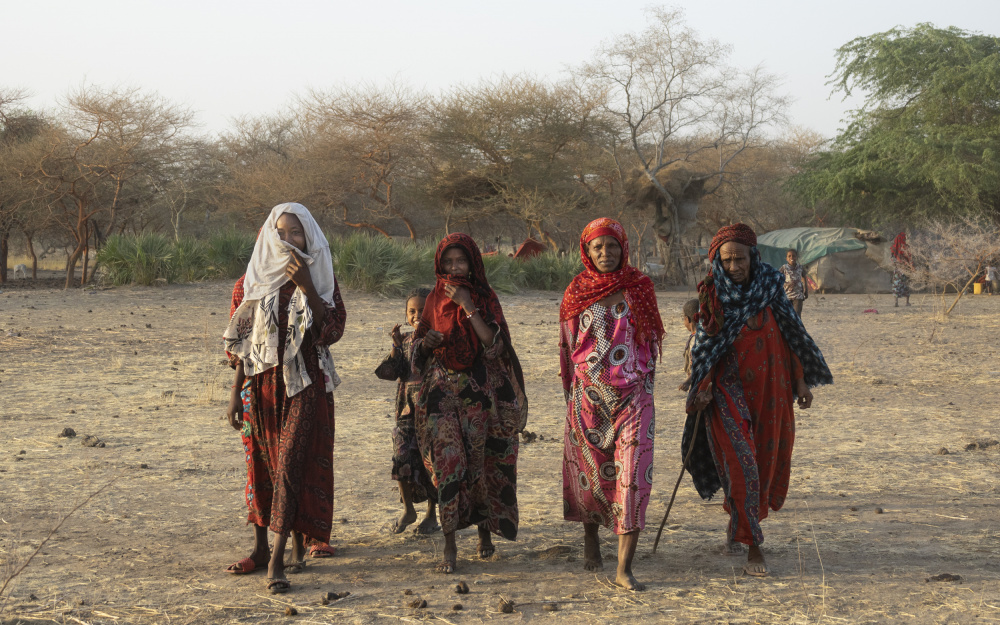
{"type": "Point", "coordinates": [414, 308]}
{"type": "Point", "coordinates": [688, 323]}
{"type": "Point", "coordinates": [792, 258]}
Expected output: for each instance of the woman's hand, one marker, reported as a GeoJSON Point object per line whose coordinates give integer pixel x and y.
{"type": "Point", "coordinates": [433, 340]}
{"type": "Point", "coordinates": [702, 399]}
{"type": "Point", "coordinates": [805, 395]}
{"type": "Point", "coordinates": [234, 413]}
{"type": "Point", "coordinates": [298, 271]}
{"type": "Point", "coordinates": [396, 336]}
{"type": "Point", "coordinates": [461, 296]}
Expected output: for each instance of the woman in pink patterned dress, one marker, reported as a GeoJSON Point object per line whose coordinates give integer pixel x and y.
{"type": "Point", "coordinates": [609, 342]}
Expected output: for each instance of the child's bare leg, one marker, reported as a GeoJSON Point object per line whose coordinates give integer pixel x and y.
{"type": "Point", "coordinates": [429, 524]}
{"type": "Point", "coordinates": [486, 548]}
{"type": "Point", "coordinates": [409, 514]}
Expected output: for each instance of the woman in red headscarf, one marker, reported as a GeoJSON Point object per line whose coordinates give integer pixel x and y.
{"type": "Point", "coordinates": [610, 337]}
{"type": "Point", "coordinates": [471, 402]}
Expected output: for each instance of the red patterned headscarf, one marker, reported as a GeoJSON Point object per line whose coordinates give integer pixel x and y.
{"type": "Point", "coordinates": [460, 347]}
{"type": "Point", "coordinates": [709, 307]}
{"type": "Point", "coordinates": [591, 285]}
{"type": "Point", "coordinates": [900, 250]}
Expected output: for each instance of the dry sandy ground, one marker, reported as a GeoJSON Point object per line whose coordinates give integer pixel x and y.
{"type": "Point", "coordinates": [875, 508]}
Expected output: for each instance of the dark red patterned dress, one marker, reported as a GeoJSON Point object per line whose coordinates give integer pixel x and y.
{"type": "Point", "coordinates": [751, 425]}
{"type": "Point", "coordinates": [289, 440]}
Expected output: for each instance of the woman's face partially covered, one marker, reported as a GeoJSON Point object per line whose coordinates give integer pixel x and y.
{"type": "Point", "coordinates": [454, 262]}
{"type": "Point", "coordinates": [290, 230]}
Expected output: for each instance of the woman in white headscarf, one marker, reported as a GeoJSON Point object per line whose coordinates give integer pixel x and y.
{"type": "Point", "coordinates": [286, 312]}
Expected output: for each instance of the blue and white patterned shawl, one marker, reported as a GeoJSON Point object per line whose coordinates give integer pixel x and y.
{"type": "Point", "coordinates": [740, 304]}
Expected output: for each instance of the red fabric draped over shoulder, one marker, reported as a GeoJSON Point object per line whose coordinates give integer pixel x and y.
{"type": "Point", "coordinates": [461, 345]}
{"type": "Point", "coordinates": [591, 285]}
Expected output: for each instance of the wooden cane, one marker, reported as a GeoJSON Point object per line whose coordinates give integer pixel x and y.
{"type": "Point", "coordinates": [687, 456]}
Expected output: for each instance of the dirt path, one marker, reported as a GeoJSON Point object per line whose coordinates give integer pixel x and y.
{"type": "Point", "coordinates": [874, 509]}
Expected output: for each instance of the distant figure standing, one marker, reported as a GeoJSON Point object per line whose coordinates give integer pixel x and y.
{"type": "Point", "coordinates": [795, 281]}
{"type": "Point", "coordinates": [991, 279]}
{"type": "Point", "coordinates": [690, 318]}
{"type": "Point", "coordinates": [900, 261]}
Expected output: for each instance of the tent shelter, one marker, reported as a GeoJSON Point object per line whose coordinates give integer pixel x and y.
{"type": "Point", "coordinates": [837, 260]}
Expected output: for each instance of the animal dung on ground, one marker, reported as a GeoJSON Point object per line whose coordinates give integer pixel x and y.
{"type": "Point", "coordinates": [456, 607]}
{"type": "Point", "coordinates": [528, 437]}
{"type": "Point", "coordinates": [879, 510]}
{"type": "Point", "coordinates": [290, 611]}
{"type": "Point", "coordinates": [418, 604]}
{"type": "Point", "coordinates": [982, 444]}
{"type": "Point", "coordinates": [92, 441]}
{"type": "Point", "coordinates": [327, 597]}
{"type": "Point", "coordinates": [462, 588]}
{"type": "Point", "coordinates": [945, 577]}
{"type": "Point", "coordinates": [943, 451]}
{"type": "Point", "coordinates": [506, 606]}
{"type": "Point", "coordinates": [407, 592]}
{"type": "Point", "coordinates": [550, 607]}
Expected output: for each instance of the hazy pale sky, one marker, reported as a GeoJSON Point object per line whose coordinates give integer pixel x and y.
{"type": "Point", "coordinates": [225, 58]}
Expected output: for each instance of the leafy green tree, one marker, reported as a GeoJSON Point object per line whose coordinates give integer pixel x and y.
{"type": "Point", "coordinates": [925, 142]}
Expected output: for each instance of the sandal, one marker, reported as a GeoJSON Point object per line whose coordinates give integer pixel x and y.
{"type": "Point", "coordinates": [295, 567]}
{"type": "Point", "coordinates": [446, 567]}
{"type": "Point", "coordinates": [321, 550]}
{"type": "Point", "coordinates": [278, 585]}
{"type": "Point", "coordinates": [243, 567]}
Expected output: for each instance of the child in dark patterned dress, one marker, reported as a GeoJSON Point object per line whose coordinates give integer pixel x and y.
{"type": "Point", "coordinates": [407, 465]}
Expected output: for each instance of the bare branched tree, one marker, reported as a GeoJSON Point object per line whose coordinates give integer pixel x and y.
{"type": "Point", "coordinates": [683, 110]}
{"type": "Point", "coordinates": [952, 255]}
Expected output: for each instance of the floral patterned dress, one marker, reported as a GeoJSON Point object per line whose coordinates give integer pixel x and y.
{"type": "Point", "coordinates": [407, 463]}
{"type": "Point", "coordinates": [608, 447]}
{"type": "Point", "coordinates": [467, 429]}
{"type": "Point", "coordinates": [288, 441]}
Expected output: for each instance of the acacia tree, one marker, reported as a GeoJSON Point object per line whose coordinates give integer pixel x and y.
{"type": "Point", "coordinates": [364, 142]}
{"type": "Point", "coordinates": [18, 129]}
{"type": "Point", "coordinates": [684, 112]}
{"type": "Point", "coordinates": [510, 147]}
{"type": "Point", "coordinates": [106, 139]}
{"type": "Point", "coordinates": [925, 142]}
{"type": "Point", "coordinates": [952, 255]}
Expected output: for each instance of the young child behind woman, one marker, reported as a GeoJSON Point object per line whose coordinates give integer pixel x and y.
{"type": "Point", "coordinates": [688, 314]}
{"type": "Point", "coordinates": [407, 465]}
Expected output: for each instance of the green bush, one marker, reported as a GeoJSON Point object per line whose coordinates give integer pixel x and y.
{"type": "Point", "coordinates": [228, 253]}
{"type": "Point", "coordinates": [141, 259]}
{"type": "Point", "coordinates": [189, 262]}
{"type": "Point", "coordinates": [550, 271]}
{"type": "Point", "coordinates": [380, 265]}
{"type": "Point", "coordinates": [363, 262]}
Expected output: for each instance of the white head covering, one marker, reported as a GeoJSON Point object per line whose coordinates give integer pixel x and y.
{"type": "Point", "coordinates": [266, 270]}
{"type": "Point", "coordinates": [252, 333]}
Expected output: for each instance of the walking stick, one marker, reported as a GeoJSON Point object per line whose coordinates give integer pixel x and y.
{"type": "Point", "coordinates": [687, 456]}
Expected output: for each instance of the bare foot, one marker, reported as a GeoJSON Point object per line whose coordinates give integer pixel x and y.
{"type": "Point", "coordinates": [756, 566]}
{"type": "Point", "coordinates": [450, 554]}
{"type": "Point", "coordinates": [732, 548]}
{"type": "Point", "coordinates": [486, 548]}
{"type": "Point", "coordinates": [627, 581]}
{"type": "Point", "coordinates": [400, 524]}
{"type": "Point", "coordinates": [592, 560]}
{"type": "Point", "coordinates": [428, 526]}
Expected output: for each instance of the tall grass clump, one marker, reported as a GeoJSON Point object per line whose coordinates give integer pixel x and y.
{"type": "Point", "coordinates": [189, 262]}
{"type": "Point", "coordinates": [228, 252]}
{"type": "Point", "coordinates": [550, 271]}
{"type": "Point", "coordinates": [504, 274]}
{"type": "Point", "coordinates": [380, 265]}
{"type": "Point", "coordinates": [140, 259]}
